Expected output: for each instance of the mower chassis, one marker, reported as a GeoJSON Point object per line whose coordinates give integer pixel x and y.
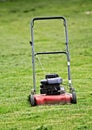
{"type": "Point", "coordinates": [40, 99]}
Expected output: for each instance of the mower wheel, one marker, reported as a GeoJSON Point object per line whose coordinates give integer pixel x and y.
{"type": "Point", "coordinates": [74, 99]}
{"type": "Point", "coordinates": [32, 100]}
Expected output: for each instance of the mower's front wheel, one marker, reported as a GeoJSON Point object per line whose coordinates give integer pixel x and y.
{"type": "Point", "coordinates": [32, 100]}
{"type": "Point", "coordinates": [74, 98]}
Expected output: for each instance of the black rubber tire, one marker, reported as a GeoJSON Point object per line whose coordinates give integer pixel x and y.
{"type": "Point", "coordinates": [32, 100]}
{"type": "Point", "coordinates": [74, 98]}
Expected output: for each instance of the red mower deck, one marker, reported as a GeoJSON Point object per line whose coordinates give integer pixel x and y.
{"type": "Point", "coordinates": [41, 99]}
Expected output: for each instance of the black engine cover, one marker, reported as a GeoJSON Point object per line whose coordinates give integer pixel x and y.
{"type": "Point", "coordinates": [50, 85]}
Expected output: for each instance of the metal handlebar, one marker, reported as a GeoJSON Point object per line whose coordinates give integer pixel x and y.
{"type": "Point", "coordinates": [33, 51]}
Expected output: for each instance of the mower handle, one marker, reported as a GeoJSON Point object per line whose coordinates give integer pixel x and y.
{"type": "Point", "coordinates": [48, 18]}
{"type": "Point", "coordinates": [33, 50]}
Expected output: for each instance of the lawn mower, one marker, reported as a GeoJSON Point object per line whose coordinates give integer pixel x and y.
{"type": "Point", "coordinates": [51, 89]}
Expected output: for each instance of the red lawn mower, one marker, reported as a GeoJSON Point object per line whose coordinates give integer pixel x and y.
{"type": "Point", "coordinates": [51, 90]}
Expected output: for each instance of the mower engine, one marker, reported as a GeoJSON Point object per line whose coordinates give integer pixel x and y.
{"type": "Point", "coordinates": [52, 92]}
{"type": "Point", "coordinates": [51, 85]}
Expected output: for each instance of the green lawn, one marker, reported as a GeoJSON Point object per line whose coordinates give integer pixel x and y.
{"type": "Point", "coordinates": [16, 69]}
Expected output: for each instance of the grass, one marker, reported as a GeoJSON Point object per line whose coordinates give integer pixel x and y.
{"type": "Point", "coordinates": [16, 69]}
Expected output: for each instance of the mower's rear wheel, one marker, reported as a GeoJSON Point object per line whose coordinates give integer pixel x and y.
{"type": "Point", "coordinates": [74, 98]}
{"type": "Point", "coordinates": [32, 100]}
